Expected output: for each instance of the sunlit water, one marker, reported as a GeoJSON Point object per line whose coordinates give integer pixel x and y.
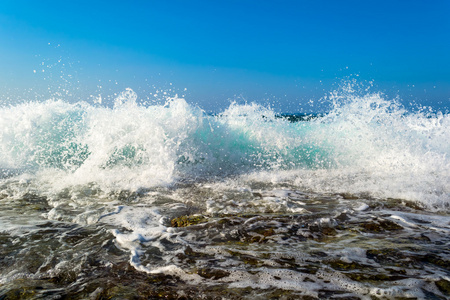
{"type": "Point", "coordinates": [353, 204]}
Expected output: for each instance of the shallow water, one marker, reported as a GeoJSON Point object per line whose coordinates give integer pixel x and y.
{"type": "Point", "coordinates": [255, 240]}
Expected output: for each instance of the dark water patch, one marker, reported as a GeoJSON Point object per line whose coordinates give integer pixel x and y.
{"type": "Point", "coordinates": [298, 117]}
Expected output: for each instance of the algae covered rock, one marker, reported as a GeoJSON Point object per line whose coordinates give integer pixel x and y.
{"type": "Point", "coordinates": [444, 286]}
{"type": "Point", "coordinates": [184, 221]}
{"type": "Point", "coordinates": [380, 226]}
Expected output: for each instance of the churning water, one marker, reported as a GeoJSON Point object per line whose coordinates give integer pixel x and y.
{"type": "Point", "coordinates": [350, 204]}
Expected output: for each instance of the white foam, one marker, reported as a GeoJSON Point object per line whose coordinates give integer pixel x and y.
{"type": "Point", "coordinates": [143, 225]}
{"type": "Point", "coordinates": [274, 278]}
{"type": "Point", "coordinates": [429, 222]}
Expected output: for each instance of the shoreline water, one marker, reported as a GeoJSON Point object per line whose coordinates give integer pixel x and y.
{"type": "Point", "coordinates": [294, 245]}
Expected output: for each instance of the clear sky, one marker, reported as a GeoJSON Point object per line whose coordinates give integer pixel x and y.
{"type": "Point", "coordinates": [282, 53]}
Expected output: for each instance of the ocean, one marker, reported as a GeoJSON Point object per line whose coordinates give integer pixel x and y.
{"type": "Point", "coordinates": [167, 201]}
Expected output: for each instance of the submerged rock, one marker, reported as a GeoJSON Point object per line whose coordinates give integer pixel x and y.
{"type": "Point", "coordinates": [212, 273]}
{"type": "Point", "coordinates": [444, 286]}
{"type": "Point", "coordinates": [184, 221]}
{"type": "Point", "coordinates": [380, 226]}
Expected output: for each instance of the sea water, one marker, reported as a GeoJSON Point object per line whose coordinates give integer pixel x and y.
{"type": "Point", "coordinates": [169, 201]}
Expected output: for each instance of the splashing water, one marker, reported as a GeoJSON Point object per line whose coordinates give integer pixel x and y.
{"type": "Point", "coordinates": [363, 145]}
{"type": "Point", "coordinates": [246, 202]}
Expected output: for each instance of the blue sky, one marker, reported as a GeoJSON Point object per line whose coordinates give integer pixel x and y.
{"type": "Point", "coordinates": [282, 53]}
